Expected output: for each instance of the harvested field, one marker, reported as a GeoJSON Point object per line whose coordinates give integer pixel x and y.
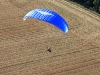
{"type": "Point", "coordinates": [23, 44]}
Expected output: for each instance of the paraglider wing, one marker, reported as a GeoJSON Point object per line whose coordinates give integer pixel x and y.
{"type": "Point", "coordinates": [48, 16]}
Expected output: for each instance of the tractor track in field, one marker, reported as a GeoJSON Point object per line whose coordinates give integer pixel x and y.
{"type": "Point", "coordinates": [60, 69]}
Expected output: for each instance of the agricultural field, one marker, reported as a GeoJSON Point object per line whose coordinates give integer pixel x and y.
{"type": "Point", "coordinates": [23, 44]}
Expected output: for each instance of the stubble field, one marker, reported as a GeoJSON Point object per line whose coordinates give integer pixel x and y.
{"type": "Point", "coordinates": [23, 44]}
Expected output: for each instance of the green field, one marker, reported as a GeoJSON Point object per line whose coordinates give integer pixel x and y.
{"type": "Point", "coordinates": [23, 44]}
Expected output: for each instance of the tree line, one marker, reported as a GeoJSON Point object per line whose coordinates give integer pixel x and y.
{"type": "Point", "coordinates": [91, 4]}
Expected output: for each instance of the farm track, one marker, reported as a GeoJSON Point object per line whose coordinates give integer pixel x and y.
{"type": "Point", "coordinates": [19, 57]}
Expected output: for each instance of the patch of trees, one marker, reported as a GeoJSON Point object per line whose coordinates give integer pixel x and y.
{"type": "Point", "coordinates": [91, 4]}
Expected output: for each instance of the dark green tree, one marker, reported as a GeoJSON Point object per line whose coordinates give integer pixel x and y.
{"type": "Point", "coordinates": [88, 3]}
{"type": "Point", "coordinates": [97, 5]}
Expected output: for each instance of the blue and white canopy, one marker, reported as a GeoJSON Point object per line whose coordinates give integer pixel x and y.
{"type": "Point", "coordinates": [48, 16]}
